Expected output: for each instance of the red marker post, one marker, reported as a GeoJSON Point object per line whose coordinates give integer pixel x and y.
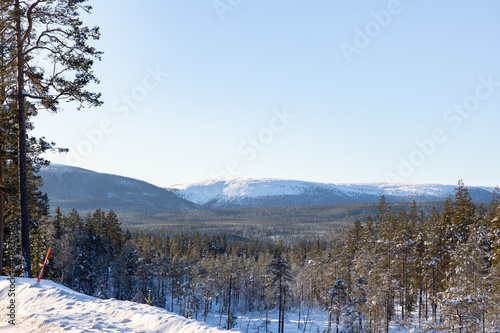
{"type": "Point", "coordinates": [44, 263]}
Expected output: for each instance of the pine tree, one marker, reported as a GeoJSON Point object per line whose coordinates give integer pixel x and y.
{"type": "Point", "coordinates": [7, 122]}
{"type": "Point", "coordinates": [279, 270]}
{"type": "Point", "coordinates": [206, 284]}
{"type": "Point", "coordinates": [436, 258]}
{"type": "Point", "coordinates": [9, 152]}
{"type": "Point", "coordinates": [38, 203]}
{"type": "Point", "coordinates": [404, 240]}
{"type": "Point", "coordinates": [385, 257]}
{"type": "Point", "coordinates": [51, 29]}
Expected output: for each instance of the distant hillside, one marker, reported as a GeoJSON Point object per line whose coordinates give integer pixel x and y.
{"type": "Point", "coordinates": [275, 192]}
{"type": "Point", "coordinates": [71, 187]}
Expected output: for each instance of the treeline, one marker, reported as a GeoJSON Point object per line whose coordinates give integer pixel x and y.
{"type": "Point", "coordinates": [289, 224]}
{"type": "Point", "coordinates": [442, 268]}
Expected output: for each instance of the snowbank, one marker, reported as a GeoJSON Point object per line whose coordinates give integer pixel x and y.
{"type": "Point", "coordinates": [49, 307]}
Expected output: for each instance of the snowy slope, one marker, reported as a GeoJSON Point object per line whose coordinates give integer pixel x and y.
{"type": "Point", "coordinates": [48, 307]}
{"type": "Point", "coordinates": [276, 192]}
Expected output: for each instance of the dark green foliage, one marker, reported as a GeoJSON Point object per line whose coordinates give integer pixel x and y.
{"type": "Point", "coordinates": [91, 254]}
{"type": "Point", "coordinates": [31, 31]}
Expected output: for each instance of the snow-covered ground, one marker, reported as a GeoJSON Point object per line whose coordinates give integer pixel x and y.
{"type": "Point", "coordinates": [253, 323]}
{"type": "Point", "coordinates": [310, 322]}
{"type": "Point", "coordinates": [48, 307]}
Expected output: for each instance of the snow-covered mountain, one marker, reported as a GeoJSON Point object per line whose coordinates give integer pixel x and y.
{"type": "Point", "coordinates": [276, 192]}
{"type": "Point", "coordinates": [71, 187]}
{"type": "Point", "coordinates": [49, 307]}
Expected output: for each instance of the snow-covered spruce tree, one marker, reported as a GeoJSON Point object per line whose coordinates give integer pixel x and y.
{"type": "Point", "coordinates": [50, 34]}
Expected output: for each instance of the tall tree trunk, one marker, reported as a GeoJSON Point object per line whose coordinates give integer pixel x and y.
{"type": "Point", "coordinates": [403, 290]}
{"type": "Point", "coordinates": [301, 299]}
{"type": "Point", "coordinates": [1, 210]}
{"type": "Point", "coordinates": [279, 308]}
{"type": "Point", "coordinates": [433, 301]}
{"type": "Point", "coordinates": [330, 312]}
{"type": "Point", "coordinates": [267, 317]}
{"type": "Point", "coordinates": [420, 304]}
{"type": "Point", "coordinates": [2, 152]}
{"type": "Point", "coordinates": [23, 170]}
{"type": "Point", "coordinates": [283, 313]}
{"type": "Point", "coordinates": [387, 314]}
{"type": "Point", "coordinates": [172, 294]}
{"type": "Point", "coordinates": [426, 300]}
{"type": "Point", "coordinates": [229, 303]}
{"type": "Point", "coordinates": [204, 308]}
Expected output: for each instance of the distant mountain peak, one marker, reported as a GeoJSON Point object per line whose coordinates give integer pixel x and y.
{"type": "Point", "coordinates": [254, 192]}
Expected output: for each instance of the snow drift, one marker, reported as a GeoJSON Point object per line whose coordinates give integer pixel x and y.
{"type": "Point", "coordinates": [50, 307]}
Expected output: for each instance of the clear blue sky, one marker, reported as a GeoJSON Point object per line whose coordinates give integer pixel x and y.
{"type": "Point", "coordinates": [329, 91]}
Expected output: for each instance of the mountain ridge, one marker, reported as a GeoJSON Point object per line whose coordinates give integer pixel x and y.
{"type": "Point", "coordinates": [254, 192]}
{"type": "Point", "coordinates": [73, 187]}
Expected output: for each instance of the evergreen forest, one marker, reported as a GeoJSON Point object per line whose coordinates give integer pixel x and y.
{"type": "Point", "coordinates": [396, 266]}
